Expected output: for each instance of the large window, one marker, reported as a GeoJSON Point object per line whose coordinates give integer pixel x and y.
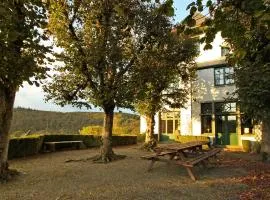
{"type": "Point", "coordinates": [222, 107]}
{"type": "Point", "coordinates": [169, 122]}
{"type": "Point", "coordinates": [206, 117]}
{"type": "Point", "coordinates": [224, 76]}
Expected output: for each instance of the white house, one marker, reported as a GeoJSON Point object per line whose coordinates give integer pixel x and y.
{"type": "Point", "coordinates": [209, 112]}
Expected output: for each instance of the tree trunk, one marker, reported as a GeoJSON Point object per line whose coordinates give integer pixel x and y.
{"type": "Point", "coordinates": [7, 98]}
{"type": "Point", "coordinates": [265, 138]}
{"type": "Point", "coordinates": [150, 141]}
{"type": "Point", "coordinates": [107, 153]}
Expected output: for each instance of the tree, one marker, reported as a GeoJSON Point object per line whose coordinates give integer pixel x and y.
{"type": "Point", "coordinates": [22, 56]}
{"type": "Point", "coordinates": [245, 26]}
{"type": "Point", "coordinates": [101, 41]}
{"type": "Point", "coordinates": [164, 72]}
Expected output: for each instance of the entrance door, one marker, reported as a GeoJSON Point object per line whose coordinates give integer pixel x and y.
{"type": "Point", "coordinates": [226, 130]}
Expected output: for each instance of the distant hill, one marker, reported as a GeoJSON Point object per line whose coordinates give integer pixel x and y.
{"type": "Point", "coordinates": [36, 121]}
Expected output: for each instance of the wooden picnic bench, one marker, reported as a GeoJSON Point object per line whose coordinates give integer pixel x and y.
{"type": "Point", "coordinates": [51, 145]}
{"type": "Point", "coordinates": [202, 158]}
{"type": "Point", "coordinates": [176, 155]}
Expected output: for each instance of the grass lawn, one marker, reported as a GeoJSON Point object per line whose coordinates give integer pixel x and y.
{"type": "Point", "coordinates": [49, 177]}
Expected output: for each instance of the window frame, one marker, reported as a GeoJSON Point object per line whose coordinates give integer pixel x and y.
{"type": "Point", "coordinates": [226, 75]}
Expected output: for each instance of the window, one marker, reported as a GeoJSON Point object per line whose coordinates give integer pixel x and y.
{"type": "Point", "coordinates": [225, 51]}
{"type": "Point", "coordinates": [206, 117]}
{"type": "Point", "coordinates": [246, 125]}
{"type": "Point", "coordinates": [223, 76]}
{"type": "Point", "coordinates": [221, 107]}
{"type": "Point", "coordinates": [206, 124]}
{"type": "Point", "coordinates": [169, 122]}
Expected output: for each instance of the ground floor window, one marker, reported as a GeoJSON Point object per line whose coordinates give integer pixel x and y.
{"type": "Point", "coordinates": [169, 122]}
{"type": "Point", "coordinates": [206, 124]}
{"type": "Point", "coordinates": [246, 125]}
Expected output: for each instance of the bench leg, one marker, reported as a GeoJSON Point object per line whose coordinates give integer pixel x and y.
{"type": "Point", "coordinates": [151, 165]}
{"type": "Point", "coordinates": [191, 173]}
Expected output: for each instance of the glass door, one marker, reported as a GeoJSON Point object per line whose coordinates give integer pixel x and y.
{"type": "Point", "coordinates": [226, 130]}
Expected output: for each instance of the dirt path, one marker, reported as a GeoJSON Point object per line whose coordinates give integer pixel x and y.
{"type": "Point", "coordinates": [49, 177]}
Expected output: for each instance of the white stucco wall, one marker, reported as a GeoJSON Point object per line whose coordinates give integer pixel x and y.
{"type": "Point", "coordinates": [203, 90]}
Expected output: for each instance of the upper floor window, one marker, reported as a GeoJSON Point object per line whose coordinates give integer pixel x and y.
{"type": "Point", "coordinates": [224, 76]}
{"type": "Point", "coordinates": [224, 51]}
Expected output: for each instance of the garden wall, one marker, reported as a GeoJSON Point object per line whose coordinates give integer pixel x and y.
{"type": "Point", "coordinates": [32, 145]}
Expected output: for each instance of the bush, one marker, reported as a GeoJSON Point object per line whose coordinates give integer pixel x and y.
{"type": "Point", "coordinates": [190, 138]}
{"type": "Point", "coordinates": [93, 130]}
{"type": "Point", "coordinates": [88, 140]}
{"type": "Point", "coordinates": [33, 144]}
{"type": "Point", "coordinates": [246, 145]}
{"type": "Point", "coordinates": [25, 146]}
{"type": "Point", "coordinates": [256, 147]}
{"type": "Point", "coordinates": [118, 140]}
{"type": "Point", "coordinates": [141, 137]}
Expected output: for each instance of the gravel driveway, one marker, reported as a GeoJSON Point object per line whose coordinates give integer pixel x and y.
{"type": "Point", "coordinates": [49, 177]}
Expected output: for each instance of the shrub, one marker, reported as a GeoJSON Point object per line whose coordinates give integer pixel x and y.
{"type": "Point", "coordinates": [88, 140]}
{"type": "Point", "coordinates": [141, 137]}
{"type": "Point", "coordinates": [25, 146]}
{"type": "Point", "coordinates": [190, 138]}
{"type": "Point", "coordinates": [91, 130]}
{"type": "Point", "coordinates": [33, 144]}
{"type": "Point", "coordinates": [118, 140]}
{"type": "Point", "coordinates": [246, 145]}
{"type": "Point", "coordinates": [256, 147]}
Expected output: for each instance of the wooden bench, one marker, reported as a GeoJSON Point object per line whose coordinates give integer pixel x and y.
{"type": "Point", "coordinates": [188, 164]}
{"type": "Point", "coordinates": [203, 158]}
{"type": "Point", "coordinates": [156, 157]}
{"type": "Point", "coordinates": [51, 145]}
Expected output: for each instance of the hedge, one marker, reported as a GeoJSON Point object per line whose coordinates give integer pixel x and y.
{"type": "Point", "coordinates": [189, 138]}
{"type": "Point", "coordinates": [25, 146]}
{"type": "Point", "coordinates": [31, 145]}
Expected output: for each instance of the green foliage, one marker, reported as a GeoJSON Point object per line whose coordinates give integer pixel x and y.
{"type": "Point", "coordinates": [245, 27]}
{"type": "Point", "coordinates": [88, 140]}
{"type": "Point", "coordinates": [25, 146]}
{"type": "Point", "coordinates": [256, 147]}
{"type": "Point", "coordinates": [46, 122]}
{"type": "Point", "coordinates": [32, 145]}
{"type": "Point", "coordinates": [101, 40]}
{"type": "Point", "coordinates": [140, 138]}
{"type": "Point", "coordinates": [169, 63]}
{"type": "Point", "coordinates": [124, 124]}
{"type": "Point", "coordinates": [246, 145]}
{"type": "Point", "coordinates": [91, 130]}
{"type": "Point", "coordinates": [22, 52]}
{"type": "Point", "coordinates": [190, 138]}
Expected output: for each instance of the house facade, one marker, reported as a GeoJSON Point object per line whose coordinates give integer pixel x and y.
{"type": "Point", "coordinates": [209, 111]}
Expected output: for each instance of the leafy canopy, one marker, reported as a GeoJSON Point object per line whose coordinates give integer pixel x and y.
{"type": "Point", "coordinates": [244, 24]}
{"type": "Point", "coordinates": [165, 71]}
{"type": "Point", "coordinates": [23, 51]}
{"type": "Point", "coordinates": [101, 42]}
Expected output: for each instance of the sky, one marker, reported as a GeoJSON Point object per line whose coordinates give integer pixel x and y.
{"type": "Point", "coordinates": [33, 97]}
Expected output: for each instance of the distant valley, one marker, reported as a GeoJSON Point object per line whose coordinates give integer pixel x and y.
{"type": "Point", "coordinates": [28, 121]}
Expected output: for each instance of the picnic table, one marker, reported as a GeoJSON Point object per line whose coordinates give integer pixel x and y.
{"type": "Point", "coordinates": [187, 155]}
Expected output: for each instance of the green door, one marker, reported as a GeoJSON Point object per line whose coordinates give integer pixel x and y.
{"type": "Point", "coordinates": [226, 130]}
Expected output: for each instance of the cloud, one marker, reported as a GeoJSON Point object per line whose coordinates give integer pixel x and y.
{"type": "Point", "coordinates": [33, 97]}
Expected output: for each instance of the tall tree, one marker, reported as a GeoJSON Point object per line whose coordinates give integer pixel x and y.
{"type": "Point", "coordinates": [101, 41]}
{"type": "Point", "coordinates": [21, 57]}
{"type": "Point", "coordinates": [164, 72]}
{"type": "Point", "coordinates": [244, 24]}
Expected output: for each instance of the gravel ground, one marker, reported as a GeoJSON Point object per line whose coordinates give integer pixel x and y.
{"type": "Point", "coordinates": [49, 177]}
